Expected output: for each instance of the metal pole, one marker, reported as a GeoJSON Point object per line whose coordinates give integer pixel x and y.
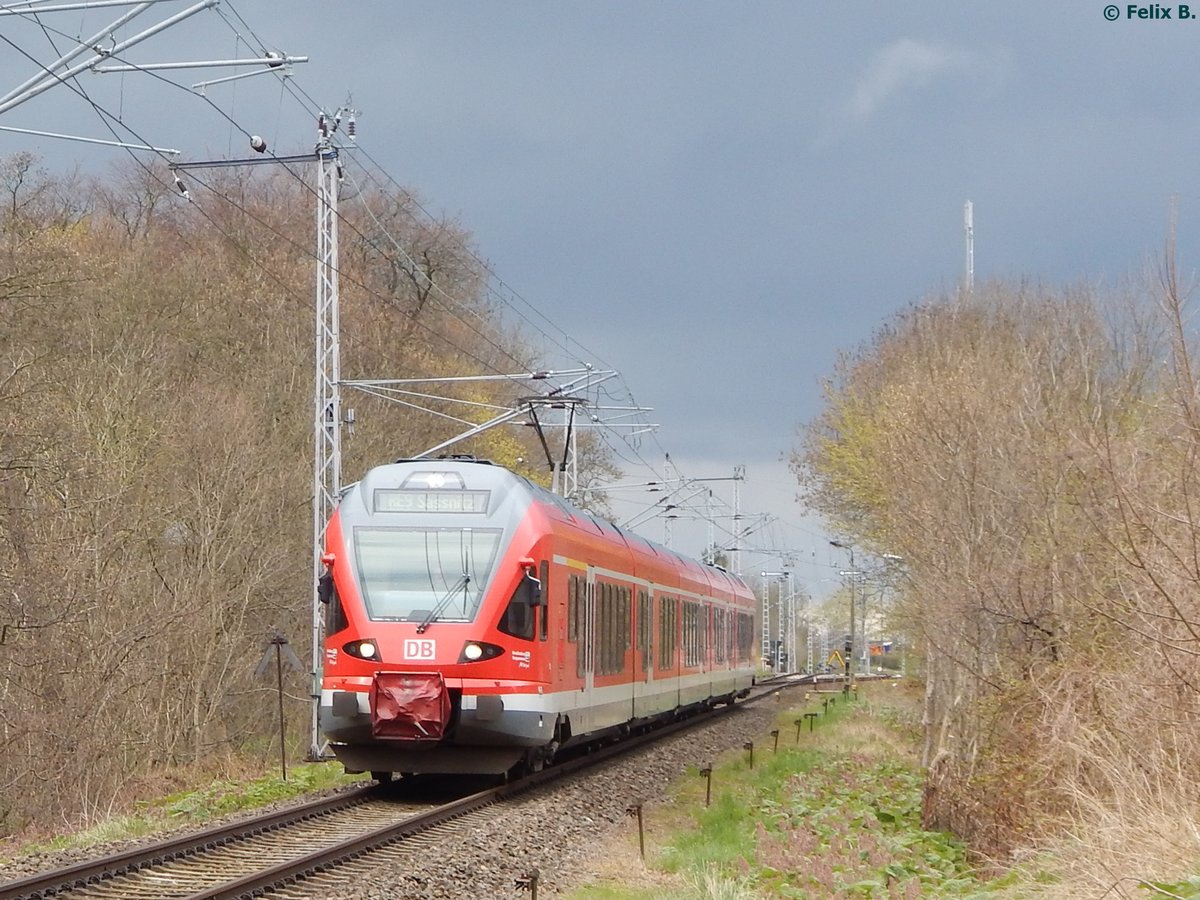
{"type": "Point", "coordinates": [793, 663]}
{"type": "Point", "coordinates": [969, 230]}
{"type": "Point", "coordinates": [850, 646]}
{"type": "Point", "coordinates": [866, 641]}
{"type": "Point", "coordinates": [766, 620]}
{"type": "Point", "coordinates": [780, 627]}
{"type": "Point", "coordinates": [279, 685]}
{"type": "Point", "coordinates": [739, 474]}
{"type": "Point", "coordinates": [327, 414]}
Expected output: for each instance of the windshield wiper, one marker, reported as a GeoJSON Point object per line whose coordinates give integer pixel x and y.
{"type": "Point", "coordinates": [444, 602]}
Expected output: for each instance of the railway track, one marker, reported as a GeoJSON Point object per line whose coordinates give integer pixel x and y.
{"type": "Point", "coordinates": [286, 853]}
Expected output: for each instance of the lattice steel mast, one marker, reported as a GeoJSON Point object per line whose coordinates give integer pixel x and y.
{"type": "Point", "coordinates": [327, 404]}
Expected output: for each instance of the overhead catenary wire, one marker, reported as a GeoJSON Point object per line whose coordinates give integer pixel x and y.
{"type": "Point", "coordinates": [107, 118]}
{"type": "Point", "coordinates": [625, 447]}
{"type": "Point", "coordinates": [301, 248]}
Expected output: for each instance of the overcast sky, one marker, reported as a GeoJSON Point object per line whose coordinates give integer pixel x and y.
{"type": "Point", "coordinates": [713, 198]}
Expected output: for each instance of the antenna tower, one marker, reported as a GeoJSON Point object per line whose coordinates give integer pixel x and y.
{"type": "Point", "coordinates": [969, 234]}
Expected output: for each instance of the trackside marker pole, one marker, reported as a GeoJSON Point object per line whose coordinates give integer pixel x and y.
{"type": "Point", "coordinates": [529, 882]}
{"type": "Point", "coordinates": [636, 810]}
{"type": "Point", "coordinates": [283, 654]}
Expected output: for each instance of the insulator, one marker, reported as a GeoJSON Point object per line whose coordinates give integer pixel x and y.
{"type": "Point", "coordinates": [352, 128]}
{"type": "Point", "coordinates": [322, 126]}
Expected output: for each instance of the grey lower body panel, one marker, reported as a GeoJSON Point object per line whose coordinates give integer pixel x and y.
{"type": "Point", "coordinates": [488, 739]}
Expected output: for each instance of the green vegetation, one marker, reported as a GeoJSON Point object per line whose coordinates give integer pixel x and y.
{"type": "Point", "coordinates": [200, 807]}
{"type": "Point", "coordinates": [1029, 456]}
{"type": "Point", "coordinates": [836, 813]}
{"type": "Point", "coordinates": [1189, 888]}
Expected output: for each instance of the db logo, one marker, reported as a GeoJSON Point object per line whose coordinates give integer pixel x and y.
{"type": "Point", "coordinates": [420, 649]}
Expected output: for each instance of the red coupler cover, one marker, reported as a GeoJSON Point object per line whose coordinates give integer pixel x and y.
{"type": "Point", "coordinates": [410, 706]}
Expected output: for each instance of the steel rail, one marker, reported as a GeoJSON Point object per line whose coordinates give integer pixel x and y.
{"type": "Point", "coordinates": [92, 871]}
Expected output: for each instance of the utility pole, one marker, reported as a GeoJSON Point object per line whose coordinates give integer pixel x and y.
{"type": "Point", "coordinates": [793, 664]}
{"type": "Point", "coordinates": [785, 624]}
{"type": "Point", "coordinates": [969, 234]}
{"type": "Point", "coordinates": [849, 648]}
{"type": "Point", "coordinates": [327, 404]}
{"type": "Point", "coordinates": [766, 620]}
{"type": "Point", "coordinates": [739, 475]}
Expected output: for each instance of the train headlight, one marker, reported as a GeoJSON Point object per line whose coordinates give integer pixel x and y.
{"type": "Point", "coordinates": [474, 651]}
{"type": "Point", "coordinates": [364, 649]}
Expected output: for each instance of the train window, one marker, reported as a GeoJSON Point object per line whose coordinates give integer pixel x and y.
{"type": "Point", "coordinates": [613, 626]}
{"type": "Point", "coordinates": [335, 616]}
{"type": "Point", "coordinates": [668, 620]}
{"type": "Point", "coordinates": [684, 633]}
{"type": "Point", "coordinates": [614, 643]}
{"type": "Point", "coordinates": [745, 626]}
{"type": "Point", "coordinates": [411, 574]}
{"type": "Point", "coordinates": [689, 634]}
{"type": "Point", "coordinates": [644, 628]}
{"type": "Point", "coordinates": [606, 629]}
{"type": "Point", "coordinates": [518, 616]}
{"type": "Point", "coordinates": [626, 622]}
{"type": "Point", "coordinates": [606, 632]}
{"type": "Point", "coordinates": [573, 589]}
{"type": "Point", "coordinates": [587, 598]}
{"type": "Point", "coordinates": [719, 634]}
{"type": "Point", "coordinates": [544, 571]}
{"type": "Point", "coordinates": [601, 623]}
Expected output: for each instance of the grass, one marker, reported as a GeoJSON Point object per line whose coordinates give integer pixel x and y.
{"type": "Point", "coordinates": [197, 807]}
{"type": "Point", "coordinates": [833, 814]}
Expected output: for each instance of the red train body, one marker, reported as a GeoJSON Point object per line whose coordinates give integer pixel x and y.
{"type": "Point", "coordinates": [476, 623]}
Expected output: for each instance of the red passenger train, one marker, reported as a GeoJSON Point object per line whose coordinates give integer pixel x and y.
{"type": "Point", "coordinates": [478, 623]}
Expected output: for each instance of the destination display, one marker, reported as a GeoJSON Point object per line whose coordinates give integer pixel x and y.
{"type": "Point", "coordinates": [431, 501]}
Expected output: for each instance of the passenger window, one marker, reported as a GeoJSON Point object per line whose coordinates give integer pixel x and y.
{"type": "Point", "coordinates": [573, 589]}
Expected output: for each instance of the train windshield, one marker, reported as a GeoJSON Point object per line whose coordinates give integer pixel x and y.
{"type": "Point", "coordinates": [424, 575]}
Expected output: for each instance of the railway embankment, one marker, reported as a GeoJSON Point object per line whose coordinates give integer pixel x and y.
{"type": "Point", "coordinates": [834, 811]}
{"type": "Point", "coordinates": [826, 802]}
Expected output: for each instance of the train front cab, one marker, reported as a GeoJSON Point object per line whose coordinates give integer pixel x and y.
{"type": "Point", "coordinates": [433, 695]}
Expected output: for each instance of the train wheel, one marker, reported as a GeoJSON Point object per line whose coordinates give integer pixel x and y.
{"type": "Point", "coordinates": [533, 761]}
